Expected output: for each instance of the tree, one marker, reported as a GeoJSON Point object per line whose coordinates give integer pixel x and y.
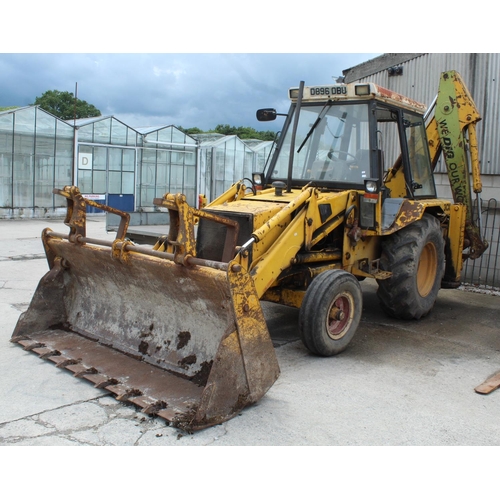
{"type": "Point", "coordinates": [245, 132]}
{"type": "Point", "coordinates": [62, 105]}
{"type": "Point", "coordinates": [241, 132]}
{"type": "Point", "coordinates": [190, 131]}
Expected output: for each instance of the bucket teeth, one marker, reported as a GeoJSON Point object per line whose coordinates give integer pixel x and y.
{"type": "Point", "coordinates": [154, 408]}
{"type": "Point", "coordinates": [64, 362]}
{"type": "Point", "coordinates": [148, 405]}
{"type": "Point", "coordinates": [125, 393]}
{"type": "Point", "coordinates": [17, 339]}
{"type": "Point", "coordinates": [80, 370]}
{"type": "Point", "coordinates": [155, 391]}
{"type": "Point", "coordinates": [29, 345]}
{"type": "Point", "coordinates": [51, 354]}
{"type": "Point", "coordinates": [101, 381]}
{"type": "Point", "coordinates": [46, 352]}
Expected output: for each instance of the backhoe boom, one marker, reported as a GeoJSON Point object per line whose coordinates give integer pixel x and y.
{"type": "Point", "coordinates": [452, 131]}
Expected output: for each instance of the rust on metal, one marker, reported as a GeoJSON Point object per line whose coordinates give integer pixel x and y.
{"type": "Point", "coordinates": [181, 238]}
{"type": "Point", "coordinates": [409, 211]}
{"type": "Point", "coordinates": [474, 241]}
{"type": "Point", "coordinates": [401, 99]}
{"type": "Point", "coordinates": [183, 339]}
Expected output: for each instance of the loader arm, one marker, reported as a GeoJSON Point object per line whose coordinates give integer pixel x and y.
{"type": "Point", "coordinates": [452, 131]}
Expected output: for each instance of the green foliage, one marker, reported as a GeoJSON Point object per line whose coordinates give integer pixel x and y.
{"type": "Point", "coordinates": [190, 131]}
{"type": "Point", "coordinates": [62, 105]}
{"type": "Point", "coordinates": [8, 107]}
{"type": "Point", "coordinates": [241, 132]}
{"type": "Point", "coordinates": [245, 132]}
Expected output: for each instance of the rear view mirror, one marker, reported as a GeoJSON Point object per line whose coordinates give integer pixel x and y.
{"type": "Point", "coordinates": [266, 115]}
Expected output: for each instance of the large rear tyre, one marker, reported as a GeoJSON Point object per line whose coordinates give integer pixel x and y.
{"type": "Point", "coordinates": [415, 256]}
{"type": "Point", "coordinates": [330, 312]}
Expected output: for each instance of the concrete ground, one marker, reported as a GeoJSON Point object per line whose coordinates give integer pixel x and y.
{"type": "Point", "coordinates": [400, 383]}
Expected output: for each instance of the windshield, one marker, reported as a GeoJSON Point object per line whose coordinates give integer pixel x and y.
{"type": "Point", "coordinates": [332, 144]}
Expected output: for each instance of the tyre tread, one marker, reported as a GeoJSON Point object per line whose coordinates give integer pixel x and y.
{"type": "Point", "coordinates": [397, 294]}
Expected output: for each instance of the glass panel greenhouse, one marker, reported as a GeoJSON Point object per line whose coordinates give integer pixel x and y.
{"type": "Point", "coordinates": [116, 164]}
{"type": "Point", "coordinates": [167, 164]}
{"type": "Point", "coordinates": [36, 155]}
{"type": "Point", "coordinates": [107, 151]}
{"type": "Point", "coordinates": [224, 160]}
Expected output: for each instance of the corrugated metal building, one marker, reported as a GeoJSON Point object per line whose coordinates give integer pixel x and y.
{"type": "Point", "coordinates": [417, 76]}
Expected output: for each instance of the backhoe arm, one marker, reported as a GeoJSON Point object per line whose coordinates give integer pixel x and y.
{"type": "Point", "coordinates": [452, 131]}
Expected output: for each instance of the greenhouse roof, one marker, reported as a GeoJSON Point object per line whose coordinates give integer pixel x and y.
{"type": "Point", "coordinates": [154, 128]}
{"type": "Point", "coordinates": [27, 125]}
{"type": "Point", "coordinates": [221, 140]}
{"type": "Point", "coordinates": [257, 145]}
{"type": "Point", "coordinates": [215, 140]}
{"type": "Point", "coordinates": [12, 110]}
{"type": "Point", "coordinates": [207, 138]}
{"type": "Point", "coordinates": [81, 122]}
{"type": "Point", "coordinates": [24, 108]}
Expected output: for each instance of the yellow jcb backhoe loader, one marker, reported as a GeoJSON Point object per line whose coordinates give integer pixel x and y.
{"type": "Point", "coordinates": [349, 194]}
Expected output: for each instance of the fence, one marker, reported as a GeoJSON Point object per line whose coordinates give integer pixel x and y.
{"type": "Point", "coordinates": [485, 271]}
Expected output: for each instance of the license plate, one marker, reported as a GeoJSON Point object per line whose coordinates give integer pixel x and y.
{"type": "Point", "coordinates": [332, 90]}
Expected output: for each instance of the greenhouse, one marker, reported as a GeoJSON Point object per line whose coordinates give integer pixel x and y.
{"type": "Point", "coordinates": [36, 155]}
{"type": "Point", "coordinates": [223, 160]}
{"type": "Point", "coordinates": [113, 163]}
{"type": "Point", "coordinates": [262, 152]}
{"type": "Point", "coordinates": [166, 164]}
{"type": "Point", "coordinates": [107, 157]}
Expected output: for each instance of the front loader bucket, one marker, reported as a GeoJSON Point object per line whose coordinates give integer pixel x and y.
{"type": "Point", "coordinates": [187, 343]}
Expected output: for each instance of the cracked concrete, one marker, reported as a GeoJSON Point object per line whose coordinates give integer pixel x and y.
{"type": "Point", "coordinates": [400, 383]}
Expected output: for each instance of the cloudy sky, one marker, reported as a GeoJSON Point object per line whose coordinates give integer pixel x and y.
{"type": "Point", "coordinates": [187, 89]}
{"type": "Point", "coordinates": [198, 63]}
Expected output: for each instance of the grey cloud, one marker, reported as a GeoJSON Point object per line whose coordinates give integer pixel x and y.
{"type": "Point", "coordinates": [191, 90]}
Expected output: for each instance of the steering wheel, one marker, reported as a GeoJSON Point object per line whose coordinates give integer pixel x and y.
{"type": "Point", "coordinates": [338, 153]}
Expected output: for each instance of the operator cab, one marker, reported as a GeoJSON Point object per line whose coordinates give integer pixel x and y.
{"type": "Point", "coordinates": [349, 133]}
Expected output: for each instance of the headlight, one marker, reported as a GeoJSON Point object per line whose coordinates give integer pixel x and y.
{"type": "Point", "coordinates": [257, 178]}
{"type": "Point", "coordinates": [371, 186]}
{"type": "Point", "coordinates": [362, 89]}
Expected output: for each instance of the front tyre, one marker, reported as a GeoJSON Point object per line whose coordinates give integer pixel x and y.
{"type": "Point", "coordinates": [415, 256]}
{"type": "Point", "coordinates": [330, 312]}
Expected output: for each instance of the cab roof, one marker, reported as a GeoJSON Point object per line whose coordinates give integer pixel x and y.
{"type": "Point", "coordinates": [356, 91]}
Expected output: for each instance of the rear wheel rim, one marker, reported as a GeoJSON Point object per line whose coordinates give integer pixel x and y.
{"type": "Point", "coordinates": [340, 316]}
{"type": "Point", "coordinates": [427, 269]}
